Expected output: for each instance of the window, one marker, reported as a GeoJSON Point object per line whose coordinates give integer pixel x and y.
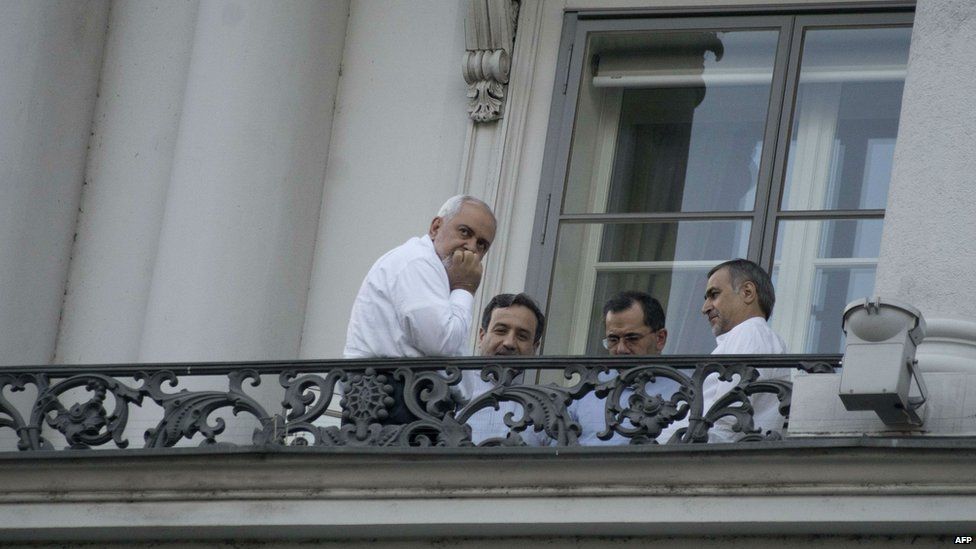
{"type": "Point", "coordinates": [680, 143]}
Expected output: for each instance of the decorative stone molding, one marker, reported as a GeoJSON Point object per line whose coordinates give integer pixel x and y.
{"type": "Point", "coordinates": [500, 163]}
{"type": "Point", "coordinates": [489, 30]}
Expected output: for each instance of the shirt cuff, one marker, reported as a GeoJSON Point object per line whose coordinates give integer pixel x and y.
{"type": "Point", "coordinates": [462, 298]}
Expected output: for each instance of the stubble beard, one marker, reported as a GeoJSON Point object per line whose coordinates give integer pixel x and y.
{"type": "Point", "coordinates": [719, 327]}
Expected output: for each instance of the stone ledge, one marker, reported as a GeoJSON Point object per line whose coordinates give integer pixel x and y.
{"type": "Point", "coordinates": [853, 486]}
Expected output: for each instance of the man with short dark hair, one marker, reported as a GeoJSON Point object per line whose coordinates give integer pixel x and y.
{"type": "Point", "coordinates": [511, 325]}
{"type": "Point", "coordinates": [739, 299]}
{"type": "Point", "coordinates": [634, 325]}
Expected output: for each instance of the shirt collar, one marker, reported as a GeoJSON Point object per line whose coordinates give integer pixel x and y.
{"type": "Point", "coordinates": [739, 327]}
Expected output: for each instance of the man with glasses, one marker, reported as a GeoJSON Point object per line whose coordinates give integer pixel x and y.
{"type": "Point", "coordinates": [634, 325]}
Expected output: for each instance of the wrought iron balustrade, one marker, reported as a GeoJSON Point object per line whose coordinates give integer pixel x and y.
{"type": "Point", "coordinates": [80, 407]}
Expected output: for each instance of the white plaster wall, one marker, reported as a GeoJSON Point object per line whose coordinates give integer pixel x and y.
{"type": "Point", "coordinates": [396, 149]}
{"type": "Point", "coordinates": [50, 53]}
{"type": "Point", "coordinates": [147, 55]}
{"type": "Point", "coordinates": [238, 230]}
{"type": "Point", "coordinates": [928, 256]}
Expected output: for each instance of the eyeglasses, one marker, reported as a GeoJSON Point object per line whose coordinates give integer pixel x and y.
{"type": "Point", "coordinates": [629, 340]}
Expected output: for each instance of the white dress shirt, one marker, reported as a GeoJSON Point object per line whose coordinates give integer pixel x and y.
{"type": "Point", "coordinates": [590, 411]}
{"type": "Point", "coordinates": [405, 307]}
{"type": "Point", "coordinates": [490, 423]}
{"type": "Point", "coordinates": [751, 337]}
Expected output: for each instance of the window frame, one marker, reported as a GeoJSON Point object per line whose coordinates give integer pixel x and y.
{"type": "Point", "coordinates": [767, 211]}
{"type": "Point", "coordinates": [775, 211]}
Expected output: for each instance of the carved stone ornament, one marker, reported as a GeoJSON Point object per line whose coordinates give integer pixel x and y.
{"type": "Point", "coordinates": [489, 37]}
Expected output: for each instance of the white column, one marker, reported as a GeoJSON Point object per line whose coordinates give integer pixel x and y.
{"type": "Point", "coordinates": [399, 134]}
{"type": "Point", "coordinates": [144, 74]}
{"type": "Point", "coordinates": [50, 54]}
{"type": "Point", "coordinates": [927, 254]}
{"type": "Point", "coordinates": [238, 231]}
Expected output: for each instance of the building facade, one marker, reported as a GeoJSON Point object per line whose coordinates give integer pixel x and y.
{"type": "Point", "coordinates": [210, 181]}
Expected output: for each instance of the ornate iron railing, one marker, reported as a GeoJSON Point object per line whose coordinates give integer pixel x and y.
{"type": "Point", "coordinates": [80, 407]}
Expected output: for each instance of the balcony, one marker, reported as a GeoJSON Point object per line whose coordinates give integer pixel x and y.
{"type": "Point", "coordinates": [92, 407]}
{"type": "Point", "coordinates": [260, 451]}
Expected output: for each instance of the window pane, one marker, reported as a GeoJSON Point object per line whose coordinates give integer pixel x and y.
{"type": "Point", "coordinates": [671, 121]}
{"type": "Point", "coordinates": [685, 241]}
{"type": "Point", "coordinates": [820, 266]}
{"type": "Point", "coordinates": [846, 118]}
{"type": "Point", "coordinates": [667, 260]}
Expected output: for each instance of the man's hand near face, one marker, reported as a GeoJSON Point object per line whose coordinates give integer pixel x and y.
{"type": "Point", "coordinates": [407, 308]}
{"type": "Point", "coordinates": [464, 271]}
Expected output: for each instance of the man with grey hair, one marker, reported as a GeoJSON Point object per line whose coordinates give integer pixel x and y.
{"type": "Point", "coordinates": [739, 299]}
{"type": "Point", "coordinates": [417, 299]}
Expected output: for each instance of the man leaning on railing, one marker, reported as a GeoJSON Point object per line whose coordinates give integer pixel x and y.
{"type": "Point", "coordinates": [633, 325]}
{"type": "Point", "coordinates": [417, 299]}
{"type": "Point", "coordinates": [512, 325]}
